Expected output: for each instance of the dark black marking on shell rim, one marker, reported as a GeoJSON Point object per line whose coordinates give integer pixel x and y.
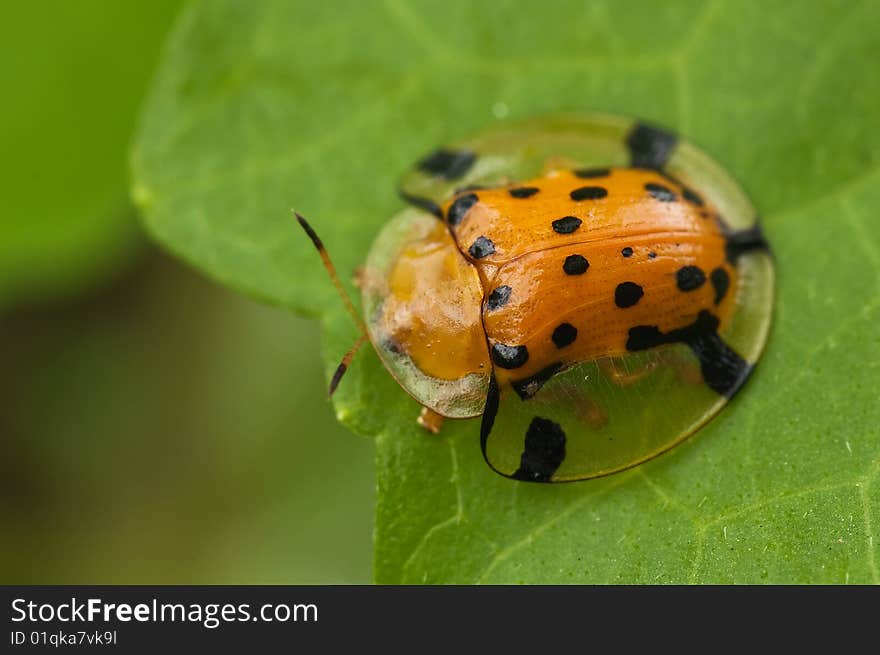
{"type": "Point", "coordinates": [650, 147]}
{"type": "Point", "coordinates": [691, 196]}
{"type": "Point", "coordinates": [743, 241]}
{"type": "Point", "coordinates": [509, 357]}
{"type": "Point", "coordinates": [490, 411]}
{"type": "Point", "coordinates": [566, 224]}
{"type": "Point", "coordinates": [721, 283]}
{"type": "Point", "coordinates": [524, 191]}
{"type": "Point", "coordinates": [387, 343]}
{"type": "Point", "coordinates": [498, 297]}
{"type": "Point", "coordinates": [482, 247]}
{"type": "Point", "coordinates": [528, 387]}
{"type": "Point", "coordinates": [447, 163]}
{"type": "Point", "coordinates": [460, 207]}
{"type": "Point", "coordinates": [690, 278]}
{"type": "Point", "coordinates": [724, 371]}
{"type": "Point", "coordinates": [470, 187]}
{"type": "Point", "coordinates": [627, 294]}
{"type": "Point", "coordinates": [422, 203]}
{"type": "Point", "coordinates": [543, 452]}
{"type": "Point", "coordinates": [627, 252]}
{"type": "Point", "coordinates": [589, 173]}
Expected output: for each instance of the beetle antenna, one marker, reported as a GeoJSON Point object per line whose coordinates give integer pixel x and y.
{"type": "Point", "coordinates": [331, 270]}
{"type": "Point", "coordinates": [343, 365]}
{"type": "Point", "coordinates": [334, 276]}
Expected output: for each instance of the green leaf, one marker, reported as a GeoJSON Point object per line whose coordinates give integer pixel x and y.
{"type": "Point", "coordinates": [260, 108]}
{"type": "Point", "coordinates": [74, 74]}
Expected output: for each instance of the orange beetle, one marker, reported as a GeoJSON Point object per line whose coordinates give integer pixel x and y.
{"type": "Point", "coordinates": [593, 287]}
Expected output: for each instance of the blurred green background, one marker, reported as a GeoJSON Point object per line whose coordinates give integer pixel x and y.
{"type": "Point", "coordinates": [149, 430]}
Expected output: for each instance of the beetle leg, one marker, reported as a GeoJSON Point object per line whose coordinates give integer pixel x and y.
{"type": "Point", "coordinates": [622, 377]}
{"type": "Point", "coordinates": [687, 370]}
{"type": "Point", "coordinates": [591, 413]}
{"type": "Point", "coordinates": [689, 373]}
{"type": "Point", "coordinates": [430, 420]}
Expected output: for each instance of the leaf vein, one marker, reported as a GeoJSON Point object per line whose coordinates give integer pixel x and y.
{"type": "Point", "coordinates": [250, 170]}
{"type": "Point", "coordinates": [864, 239]}
{"type": "Point", "coordinates": [777, 498]}
{"type": "Point", "coordinates": [414, 25]}
{"type": "Point", "coordinates": [527, 538]}
{"type": "Point", "coordinates": [869, 532]}
{"type": "Point", "coordinates": [665, 496]}
{"type": "Point", "coordinates": [819, 60]}
{"type": "Point", "coordinates": [844, 189]}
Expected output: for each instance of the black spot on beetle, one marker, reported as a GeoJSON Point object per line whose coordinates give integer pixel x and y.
{"type": "Point", "coordinates": [721, 282]}
{"type": "Point", "coordinates": [660, 192]}
{"type": "Point", "coordinates": [575, 265]}
{"type": "Point", "coordinates": [724, 371]}
{"type": "Point", "coordinates": [627, 252]}
{"type": "Point", "coordinates": [482, 247]}
{"type": "Point", "coordinates": [526, 388]}
{"type": "Point", "coordinates": [564, 335]}
{"type": "Point", "coordinates": [509, 357]}
{"type": "Point", "coordinates": [691, 197]}
{"type": "Point", "coordinates": [627, 294]}
{"type": "Point", "coordinates": [652, 255]}
{"type": "Point", "coordinates": [524, 191]}
{"type": "Point", "coordinates": [490, 411]}
{"type": "Point", "coordinates": [498, 297]}
{"type": "Point", "coordinates": [543, 453]}
{"type": "Point", "coordinates": [470, 187]}
{"type": "Point", "coordinates": [566, 224]}
{"type": "Point", "coordinates": [589, 193]}
{"type": "Point", "coordinates": [642, 337]}
{"type": "Point", "coordinates": [650, 147]}
{"type": "Point", "coordinates": [690, 278]}
{"type": "Point", "coordinates": [422, 203]}
{"type": "Point", "coordinates": [447, 163]}
{"type": "Point", "coordinates": [744, 241]}
{"type": "Point", "coordinates": [589, 173]}
{"type": "Point", "coordinates": [460, 207]}
{"type": "Point", "coordinates": [391, 346]}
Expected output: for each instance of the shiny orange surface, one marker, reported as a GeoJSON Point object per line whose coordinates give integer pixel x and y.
{"type": "Point", "coordinates": [664, 237]}
{"type": "Point", "coordinates": [437, 289]}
